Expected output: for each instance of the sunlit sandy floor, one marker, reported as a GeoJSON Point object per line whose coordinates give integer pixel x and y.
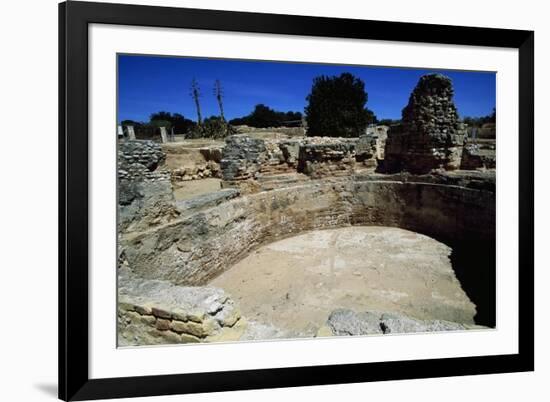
{"type": "Point", "coordinates": [295, 283]}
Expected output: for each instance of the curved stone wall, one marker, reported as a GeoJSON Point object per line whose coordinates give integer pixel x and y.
{"type": "Point", "coordinates": [197, 248]}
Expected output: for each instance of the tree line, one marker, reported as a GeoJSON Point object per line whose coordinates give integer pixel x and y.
{"type": "Point", "coordinates": [336, 106]}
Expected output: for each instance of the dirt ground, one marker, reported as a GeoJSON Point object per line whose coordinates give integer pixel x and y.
{"type": "Point", "coordinates": [188, 189]}
{"type": "Point", "coordinates": [295, 283]}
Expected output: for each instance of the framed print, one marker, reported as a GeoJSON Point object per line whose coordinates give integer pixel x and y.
{"type": "Point", "coordinates": [258, 201]}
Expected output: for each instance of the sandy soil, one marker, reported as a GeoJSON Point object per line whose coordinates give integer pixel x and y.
{"type": "Point", "coordinates": [295, 283]}
{"type": "Point", "coordinates": [188, 189]}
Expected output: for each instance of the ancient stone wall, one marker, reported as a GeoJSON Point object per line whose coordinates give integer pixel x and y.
{"type": "Point", "coordinates": [246, 159]}
{"type": "Point", "coordinates": [476, 156]}
{"type": "Point", "coordinates": [140, 160]}
{"type": "Point", "coordinates": [195, 249]}
{"type": "Point", "coordinates": [242, 157]}
{"type": "Point", "coordinates": [144, 188]}
{"type": "Point", "coordinates": [379, 134]}
{"type": "Point", "coordinates": [318, 160]}
{"type": "Point", "coordinates": [157, 312]}
{"type": "Point", "coordinates": [191, 163]}
{"type": "Point", "coordinates": [431, 135]}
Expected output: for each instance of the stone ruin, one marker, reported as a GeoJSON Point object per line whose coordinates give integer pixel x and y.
{"type": "Point", "coordinates": [431, 135]}
{"type": "Point", "coordinates": [144, 188]}
{"type": "Point", "coordinates": [253, 164]}
{"type": "Point", "coordinates": [273, 187]}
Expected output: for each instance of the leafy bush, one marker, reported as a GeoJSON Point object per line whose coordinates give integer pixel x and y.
{"type": "Point", "coordinates": [212, 127]}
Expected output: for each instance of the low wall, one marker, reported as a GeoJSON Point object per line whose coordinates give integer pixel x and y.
{"type": "Point", "coordinates": [157, 312]}
{"type": "Point", "coordinates": [193, 250]}
{"type": "Point", "coordinates": [188, 162]}
{"type": "Point", "coordinates": [246, 159]}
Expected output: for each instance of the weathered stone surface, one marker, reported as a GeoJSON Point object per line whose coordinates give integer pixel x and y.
{"type": "Point", "coordinates": [231, 334]}
{"type": "Point", "coordinates": [290, 151]}
{"type": "Point", "coordinates": [165, 337]}
{"type": "Point", "coordinates": [179, 314]}
{"type": "Point", "coordinates": [366, 148]}
{"type": "Point", "coordinates": [324, 331]}
{"type": "Point", "coordinates": [242, 157]}
{"type": "Point", "coordinates": [247, 160]}
{"type": "Point", "coordinates": [161, 313]}
{"type": "Point", "coordinates": [197, 248]}
{"type": "Point", "coordinates": [151, 204]}
{"type": "Point", "coordinates": [207, 200]}
{"type": "Point", "coordinates": [148, 319]}
{"type": "Point", "coordinates": [199, 330]}
{"type": "Point", "coordinates": [228, 317]}
{"type": "Point", "coordinates": [431, 135]}
{"type": "Point", "coordinates": [162, 324]}
{"type": "Point", "coordinates": [475, 156]}
{"type": "Point", "coordinates": [126, 306]}
{"type": "Point", "coordinates": [144, 310]}
{"type": "Point", "coordinates": [318, 160]}
{"type": "Point", "coordinates": [348, 322]}
{"type": "Point", "coordinates": [133, 316]}
{"type": "Point", "coordinates": [145, 195]}
{"type": "Point", "coordinates": [186, 338]}
{"type": "Point", "coordinates": [190, 161]}
{"type": "Point", "coordinates": [139, 153]}
{"type": "Point", "coordinates": [394, 323]}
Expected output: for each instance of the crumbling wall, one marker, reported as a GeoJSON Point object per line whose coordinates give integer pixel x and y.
{"type": "Point", "coordinates": [157, 312]}
{"type": "Point", "coordinates": [191, 163]}
{"type": "Point", "coordinates": [475, 156]}
{"type": "Point", "coordinates": [195, 249]}
{"type": "Point", "coordinates": [379, 134]}
{"type": "Point", "coordinates": [242, 157]}
{"type": "Point", "coordinates": [145, 195]}
{"type": "Point", "coordinates": [246, 159]}
{"type": "Point", "coordinates": [431, 135]}
{"type": "Point", "coordinates": [328, 159]}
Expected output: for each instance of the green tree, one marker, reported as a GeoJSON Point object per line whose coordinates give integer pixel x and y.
{"type": "Point", "coordinates": [337, 107]}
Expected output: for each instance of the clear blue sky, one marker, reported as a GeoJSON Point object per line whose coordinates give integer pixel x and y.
{"type": "Point", "coordinates": [149, 84]}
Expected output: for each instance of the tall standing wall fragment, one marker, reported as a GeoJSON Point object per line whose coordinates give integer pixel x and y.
{"type": "Point", "coordinates": [431, 135]}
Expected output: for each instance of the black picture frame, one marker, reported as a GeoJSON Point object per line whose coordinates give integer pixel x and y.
{"type": "Point", "coordinates": [74, 381]}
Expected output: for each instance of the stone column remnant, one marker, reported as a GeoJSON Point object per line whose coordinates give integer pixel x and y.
{"type": "Point", "coordinates": [431, 135]}
{"type": "Point", "coordinates": [131, 133]}
{"type": "Point", "coordinates": [163, 135]}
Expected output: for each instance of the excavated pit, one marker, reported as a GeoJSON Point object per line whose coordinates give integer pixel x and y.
{"type": "Point", "coordinates": [230, 243]}
{"type": "Point", "coordinates": [297, 282]}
